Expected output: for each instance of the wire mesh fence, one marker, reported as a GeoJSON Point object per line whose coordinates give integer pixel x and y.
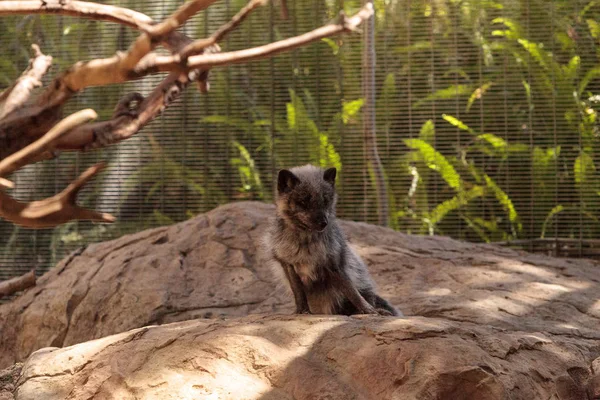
{"type": "Point", "coordinates": [486, 121]}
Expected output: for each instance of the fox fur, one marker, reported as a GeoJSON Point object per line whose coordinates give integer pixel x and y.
{"type": "Point", "coordinates": [306, 243]}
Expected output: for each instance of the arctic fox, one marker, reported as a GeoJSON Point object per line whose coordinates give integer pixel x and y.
{"type": "Point", "coordinates": [325, 275]}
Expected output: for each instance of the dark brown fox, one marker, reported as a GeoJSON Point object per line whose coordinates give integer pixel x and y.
{"type": "Point", "coordinates": [326, 276]}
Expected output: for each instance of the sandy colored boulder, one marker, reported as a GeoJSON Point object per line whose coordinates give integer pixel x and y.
{"type": "Point", "coordinates": [532, 319]}
{"type": "Point", "coordinates": [313, 357]}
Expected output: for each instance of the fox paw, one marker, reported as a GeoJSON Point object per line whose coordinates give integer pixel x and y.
{"type": "Point", "coordinates": [384, 312]}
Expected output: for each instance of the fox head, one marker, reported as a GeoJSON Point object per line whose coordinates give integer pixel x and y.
{"type": "Point", "coordinates": [306, 197]}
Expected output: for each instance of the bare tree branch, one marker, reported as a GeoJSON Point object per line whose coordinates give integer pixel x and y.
{"type": "Point", "coordinates": [148, 40]}
{"type": "Point", "coordinates": [122, 66]}
{"type": "Point", "coordinates": [15, 96]}
{"type": "Point", "coordinates": [153, 63]}
{"type": "Point", "coordinates": [23, 126]}
{"type": "Point", "coordinates": [117, 69]}
{"type": "Point", "coordinates": [55, 210]}
{"type": "Point", "coordinates": [124, 125]}
{"type": "Point", "coordinates": [94, 11]}
{"type": "Point", "coordinates": [46, 144]}
{"type": "Point", "coordinates": [197, 46]}
{"type": "Point", "coordinates": [179, 17]}
{"type": "Point", "coordinates": [81, 9]}
{"type": "Point", "coordinates": [105, 133]}
{"type": "Point", "coordinates": [17, 284]}
{"type": "Point", "coordinates": [5, 183]}
{"type": "Point", "coordinates": [35, 132]}
{"type": "Point", "coordinates": [111, 70]}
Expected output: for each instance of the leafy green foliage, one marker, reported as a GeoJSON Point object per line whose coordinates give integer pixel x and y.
{"type": "Point", "coordinates": [557, 209]}
{"type": "Point", "coordinates": [478, 94]}
{"type": "Point", "coordinates": [457, 123]}
{"type": "Point", "coordinates": [455, 203]}
{"type": "Point", "coordinates": [248, 172]}
{"type": "Point", "coordinates": [443, 94]}
{"type": "Point", "coordinates": [297, 130]}
{"type": "Point", "coordinates": [506, 203]}
{"type": "Point", "coordinates": [350, 109]}
{"type": "Point", "coordinates": [584, 169]}
{"type": "Point", "coordinates": [473, 184]}
{"type": "Point", "coordinates": [427, 132]}
{"type": "Point", "coordinates": [435, 161]}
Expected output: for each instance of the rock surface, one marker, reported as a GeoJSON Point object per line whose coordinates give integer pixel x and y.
{"type": "Point", "coordinates": [314, 357]}
{"type": "Point", "coordinates": [466, 303]}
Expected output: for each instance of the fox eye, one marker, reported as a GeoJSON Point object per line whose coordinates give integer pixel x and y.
{"type": "Point", "coordinates": [305, 201]}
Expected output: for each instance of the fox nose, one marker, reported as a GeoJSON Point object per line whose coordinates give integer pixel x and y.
{"type": "Point", "coordinates": [322, 224]}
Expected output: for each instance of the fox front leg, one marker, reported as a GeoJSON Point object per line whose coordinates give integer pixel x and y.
{"type": "Point", "coordinates": [297, 289]}
{"type": "Point", "coordinates": [346, 286]}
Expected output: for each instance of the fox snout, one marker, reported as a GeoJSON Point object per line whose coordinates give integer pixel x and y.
{"type": "Point", "coordinates": [320, 222]}
{"type": "Point", "coordinates": [310, 221]}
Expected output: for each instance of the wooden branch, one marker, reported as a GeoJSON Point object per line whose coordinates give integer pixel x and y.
{"type": "Point", "coordinates": [121, 127]}
{"type": "Point", "coordinates": [34, 132]}
{"type": "Point", "coordinates": [115, 70]}
{"type": "Point", "coordinates": [120, 67]}
{"type": "Point", "coordinates": [153, 63]}
{"type": "Point", "coordinates": [5, 183]}
{"type": "Point", "coordinates": [81, 9]}
{"type": "Point", "coordinates": [179, 17]}
{"type": "Point", "coordinates": [147, 41]}
{"type": "Point", "coordinates": [15, 96]}
{"type": "Point", "coordinates": [55, 210]}
{"type": "Point", "coordinates": [22, 127]}
{"type": "Point", "coordinates": [46, 144]}
{"type": "Point", "coordinates": [198, 46]}
{"type": "Point", "coordinates": [124, 125]}
{"type": "Point", "coordinates": [17, 284]}
{"type": "Point", "coordinates": [94, 11]}
{"type": "Point", "coordinates": [127, 120]}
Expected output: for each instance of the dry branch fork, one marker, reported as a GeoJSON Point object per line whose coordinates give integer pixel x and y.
{"type": "Point", "coordinates": [35, 132]}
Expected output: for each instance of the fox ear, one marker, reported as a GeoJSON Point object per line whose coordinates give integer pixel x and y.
{"type": "Point", "coordinates": [329, 176]}
{"type": "Point", "coordinates": [286, 181]}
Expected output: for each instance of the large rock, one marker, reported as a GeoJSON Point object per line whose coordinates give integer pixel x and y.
{"type": "Point", "coordinates": [209, 267]}
{"type": "Point", "coordinates": [314, 357]}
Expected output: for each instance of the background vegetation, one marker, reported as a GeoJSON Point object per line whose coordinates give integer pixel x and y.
{"type": "Point", "coordinates": [486, 113]}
